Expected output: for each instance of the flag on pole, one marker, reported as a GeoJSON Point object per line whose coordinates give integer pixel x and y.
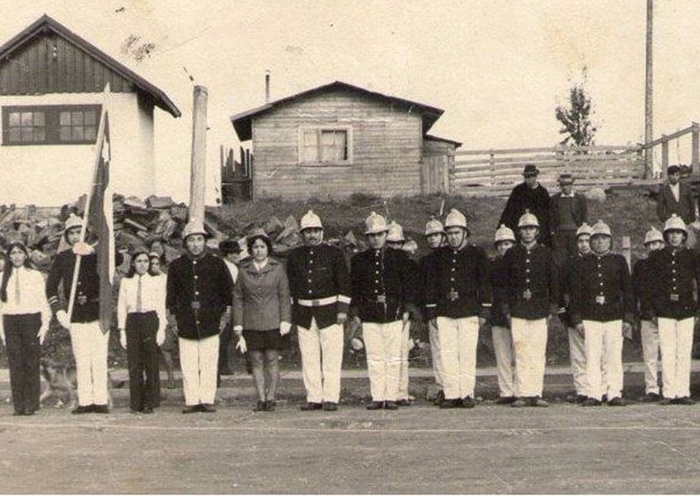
{"type": "Point", "coordinates": [101, 220]}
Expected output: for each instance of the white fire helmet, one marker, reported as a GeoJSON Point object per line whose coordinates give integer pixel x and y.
{"type": "Point", "coordinates": [375, 224]}
{"type": "Point", "coordinates": [310, 221]}
{"type": "Point", "coordinates": [584, 229]}
{"type": "Point", "coordinates": [600, 228]}
{"type": "Point", "coordinates": [504, 233]}
{"type": "Point", "coordinates": [434, 226]}
{"type": "Point", "coordinates": [395, 234]}
{"type": "Point", "coordinates": [528, 220]}
{"type": "Point", "coordinates": [653, 235]}
{"type": "Point", "coordinates": [455, 218]}
{"type": "Point", "coordinates": [73, 221]}
{"type": "Point", "coordinates": [675, 223]}
{"type": "Point", "coordinates": [193, 227]}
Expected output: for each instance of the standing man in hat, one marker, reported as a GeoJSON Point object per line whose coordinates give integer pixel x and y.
{"type": "Point", "coordinates": [533, 299]}
{"type": "Point", "coordinates": [530, 195]}
{"type": "Point", "coordinates": [602, 309]}
{"type": "Point", "coordinates": [319, 285]}
{"type": "Point", "coordinates": [87, 339]}
{"type": "Point", "coordinates": [230, 254]}
{"type": "Point", "coordinates": [458, 296]}
{"type": "Point", "coordinates": [677, 198]}
{"type": "Point", "coordinates": [675, 271]}
{"type": "Point", "coordinates": [436, 237]}
{"type": "Point", "coordinates": [199, 297]}
{"type": "Point", "coordinates": [382, 296]}
{"type": "Point", "coordinates": [577, 345]}
{"type": "Point", "coordinates": [568, 213]}
{"type": "Point", "coordinates": [642, 284]}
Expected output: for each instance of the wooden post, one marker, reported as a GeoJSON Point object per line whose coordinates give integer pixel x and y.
{"type": "Point", "coordinates": [492, 164]}
{"type": "Point", "coordinates": [695, 140]}
{"type": "Point", "coordinates": [199, 153]}
{"type": "Point", "coordinates": [664, 155]}
{"type": "Point", "coordinates": [627, 251]}
{"type": "Point", "coordinates": [648, 94]}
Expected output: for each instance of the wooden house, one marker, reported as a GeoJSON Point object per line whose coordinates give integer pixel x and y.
{"type": "Point", "coordinates": [338, 139]}
{"type": "Point", "coordinates": [51, 90]}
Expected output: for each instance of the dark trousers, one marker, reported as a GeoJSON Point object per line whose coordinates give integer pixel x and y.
{"type": "Point", "coordinates": [142, 355]}
{"type": "Point", "coordinates": [224, 348]}
{"type": "Point", "coordinates": [564, 245]}
{"type": "Point", "coordinates": [23, 354]}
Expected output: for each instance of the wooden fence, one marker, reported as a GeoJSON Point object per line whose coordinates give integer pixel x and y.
{"type": "Point", "coordinates": [236, 177]}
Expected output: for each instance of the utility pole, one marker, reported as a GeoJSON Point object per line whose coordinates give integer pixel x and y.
{"type": "Point", "coordinates": [649, 94]}
{"type": "Point", "coordinates": [198, 170]}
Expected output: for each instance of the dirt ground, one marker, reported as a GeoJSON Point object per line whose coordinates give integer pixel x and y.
{"type": "Point", "coordinates": [642, 448]}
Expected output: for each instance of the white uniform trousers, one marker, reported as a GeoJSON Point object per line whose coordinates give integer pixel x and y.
{"type": "Point", "coordinates": [403, 373]}
{"type": "Point", "coordinates": [458, 341]}
{"type": "Point", "coordinates": [505, 361]}
{"type": "Point", "coordinates": [383, 344]}
{"type": "Point", "coordinates": [530, 347]}
{"type": "Point", "coordinates": [676, 343]}
{"type": "Point", "coordinates": [321, 361]}
{"type": "Point", "coordinates": [604, 352]}
{"type": "Point", "coordinates": [90, 351]}
{"type": "Point", "coordinates": [199, 359]}
{"type": "Point", "coordinates": [434, 337]}
{"type": "Point", "coordinates": [650, 354]}
{"type": "Point", "coordinates": [577, 355]}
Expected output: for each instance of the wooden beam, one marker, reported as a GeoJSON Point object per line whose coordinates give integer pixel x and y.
{"type": "Point", "coordinates": [648, 93]}
{"type": "Point", "coordinates": [198, 164]}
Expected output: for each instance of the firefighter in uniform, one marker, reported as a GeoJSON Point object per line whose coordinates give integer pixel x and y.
{"type": "Point", "coordinates": [602, 308]}
{"type": "Point", "coordinates": [641, 282]}
{"type": "Point", "coordinates": [533, 298]}
{"type": "Point", "coordinates": [676, 273]}
{"type": "Point", "coordinates": [500, 327]}
{"type": "Point", "coordinates": [320, 289]}
{"type": "Point", "coordinates": [88, 341]}
{"type": "Point", "coordinates": [577, 345]}
{"type": "Point", "coordinates": [435, 237]}
{"type": "Point", "coordinates": [458, 297]}
{"type": "Point", "coordinates": [382, 296]}
{"type": "Point", "coordinates": [199, 296]}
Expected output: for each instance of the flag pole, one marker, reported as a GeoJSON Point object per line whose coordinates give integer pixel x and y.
{"type": "Point", "coordinates": [83, 230]}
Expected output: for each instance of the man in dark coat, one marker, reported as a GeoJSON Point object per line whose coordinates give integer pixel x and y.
{"type": "Point", "coordinates": [568, 213]}
{"type": "Point", "coordinates": [677, 198]}
{"type": "Point", "coordinates": [529, 196]}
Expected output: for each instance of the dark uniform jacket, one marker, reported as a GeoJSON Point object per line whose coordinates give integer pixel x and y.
{"type": "Point", "coordinates": [533, 282]}
{"type": "Point", "coordinates": [674, 272]}
{"type": "Point", "coordinates": [567, 275]}
{"type": "Point", "coordinates": [578, 210]}
{"type": "Point", "coordinates": [641, 285]}
{"type": "Point", "coordinates": [383, 285]}
{"type": "Point", "coordinates": [459, 284]}
{"type": "Point", "coordinates": [87, 295]}
{"type": "Point", "coordinates": [499, 287]}
{"type": "Point", "coordinates": [536, 200]}
{"type": "Point", "coordinates": [316, 273]}
{"type": "Point", "coordinates": [425, 271]}
{"type": "Point", "coordinates": [666, 203]}
{"type": "Point", "coordinates": [197, 293]}
{"type": "Point", "coordinates": [602, 290]}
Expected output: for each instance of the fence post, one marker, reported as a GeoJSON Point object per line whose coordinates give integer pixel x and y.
{"type": "Point", "coordinates": [695, 140]}
{"type": "Point", "coordinates": [492, 164]}
{"type": "Point", "coordinates": [664, 154]}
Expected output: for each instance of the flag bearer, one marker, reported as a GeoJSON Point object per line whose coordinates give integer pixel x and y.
{"type": "Point", "coordinates": [435, 237]}
{"type": "Point", "coordinates": [675, 272]}
{"type": "Point", "coordinates": [382, 296]}
{"type": "Point", "coordinates": [602, 308]}
{"type": "Point", "coordinates": [500, 326]}
{"type": "Point", "coordinates": [577, 345]}
{"type": "Point", "coordinates": [320, 289]}
{"type": "Point", "coordinates": [641, 282]}
{"type": "Point", "coordinates": [87, 339]}
{"type": "Point", "coordinates": [533, 298]}
{"type": "Point", "coordinates": [459, 294]}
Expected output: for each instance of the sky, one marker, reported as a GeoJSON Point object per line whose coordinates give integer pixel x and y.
{"type": "Point", "coordinates": [498, 68]}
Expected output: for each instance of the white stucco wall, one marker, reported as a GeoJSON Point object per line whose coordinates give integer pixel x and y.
{"type": "Point", "coordinates": [51, 175]}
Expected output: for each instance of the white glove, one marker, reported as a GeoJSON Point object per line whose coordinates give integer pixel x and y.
{"type": "Point", "coordinates": [122, 338]}
{"type": "Point", "coordinates": [160, 336]}
{"type": "Point", "coordinates": [43, 330]}
{"type": "Point", "coordinates": [285, 327]}
{"type": "Point", "coordinates": [2, 336]}
{"type": "Point", "coordinates": [63, 319]}
{"type": "Point", "coordinates": [83, 249]}
{"type": "Point", "coordinates": [241, 345]}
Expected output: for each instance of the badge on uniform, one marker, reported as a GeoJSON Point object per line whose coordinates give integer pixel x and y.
{"type": "Point", "coordinates": [381, 298]}
{"type": "Point", "coordinates": [196, 305]}
{"type": "Point", "coordinates": [527, 294]}
{"type": "Point", "coordinates": [675, 297]}
{"type": "Point", "coordinates": [600, 300]}
{"type": "Point", "coordinates": [454, 295]}
{"type": "Point", "coordinates": [82, 300]}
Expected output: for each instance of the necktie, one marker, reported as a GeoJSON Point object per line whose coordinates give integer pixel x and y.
{"type": "Point", "coordinates": [17, 298]}
{"type": "Point", "coordinates": [139, 302]}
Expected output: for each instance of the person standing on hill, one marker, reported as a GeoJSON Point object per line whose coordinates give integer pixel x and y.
{"type": "Point", "coordinates": [530, 196]}
{"type": "Point", "coordinates": [677, 198]}
{"type": "Point", "coordinates": [568, 212]}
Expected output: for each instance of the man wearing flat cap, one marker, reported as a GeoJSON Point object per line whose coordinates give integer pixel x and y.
{"type": "Point", "coordinates": [530, 196]}
{"type": "Point", "coordinates": [568, 212]}
{"type": "Point", "coordinates": [677, 198]}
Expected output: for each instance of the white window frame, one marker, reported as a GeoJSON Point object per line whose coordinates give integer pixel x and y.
{"type": "Point", "coordinates": [319, 130]}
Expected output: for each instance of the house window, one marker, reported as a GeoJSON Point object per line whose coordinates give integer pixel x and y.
{"type": "Point", "coordinates": [50, 124]}
{"type": "Point", "coordinates": [325, 146]}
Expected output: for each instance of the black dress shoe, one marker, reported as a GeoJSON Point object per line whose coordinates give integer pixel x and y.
{"type": "Point", "coordinates": [28, 412]}
{"type": "Point", "coordinates": [270, 405]}
{"type": "Point", "coordinates": [505, 400]}
{"type": "Point", "coordinates": [404, 402]}
{"type": "Point", "coordinates": [135, 410]}
{"type": "Point", "coordinates": [100, 408]}
{"type": "Point", "coordinates": [147, 410]}
{"type": "Point", "coordinates": [452, 403]}
{"type": "Point", "coordinates": [468, 402]}
{"type": "Point", "coordinates": [375, 405]}
{"type": "Point", "coordinates": [330, 406]}
{"type": "Point", "coordinates": [310, 406]}
{"type": "Point", "coordinates": [439, 397]}
{"type": "Point", "coordinates": [390, 405]}
{"type": "Point", "coordinates": [191, 409]}
{"type": "Point", "coordinates": [591, 402]}
{"type": "Point", "coordinates": [80, 409]}
{"type": "Point", "coordinates": [207, 408]}
{"type": "Point", "coordinates": [617, 401]}
{"type": "Point", "coordinates": [651, 398]}
{"type": "Point", "coordinates": [685, 400]}
{"type": "Point", "coordinates": [18, 413]}
{"type": "Point", "coordinates": [260, 407]}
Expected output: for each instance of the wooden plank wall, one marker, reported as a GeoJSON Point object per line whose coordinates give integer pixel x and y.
{"type": "Point", "coordinates": [495, 172]}
{"type": "Point", "coordinates": [386, 149]}
{"type": "Point", "coordinates": [50, 64]}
